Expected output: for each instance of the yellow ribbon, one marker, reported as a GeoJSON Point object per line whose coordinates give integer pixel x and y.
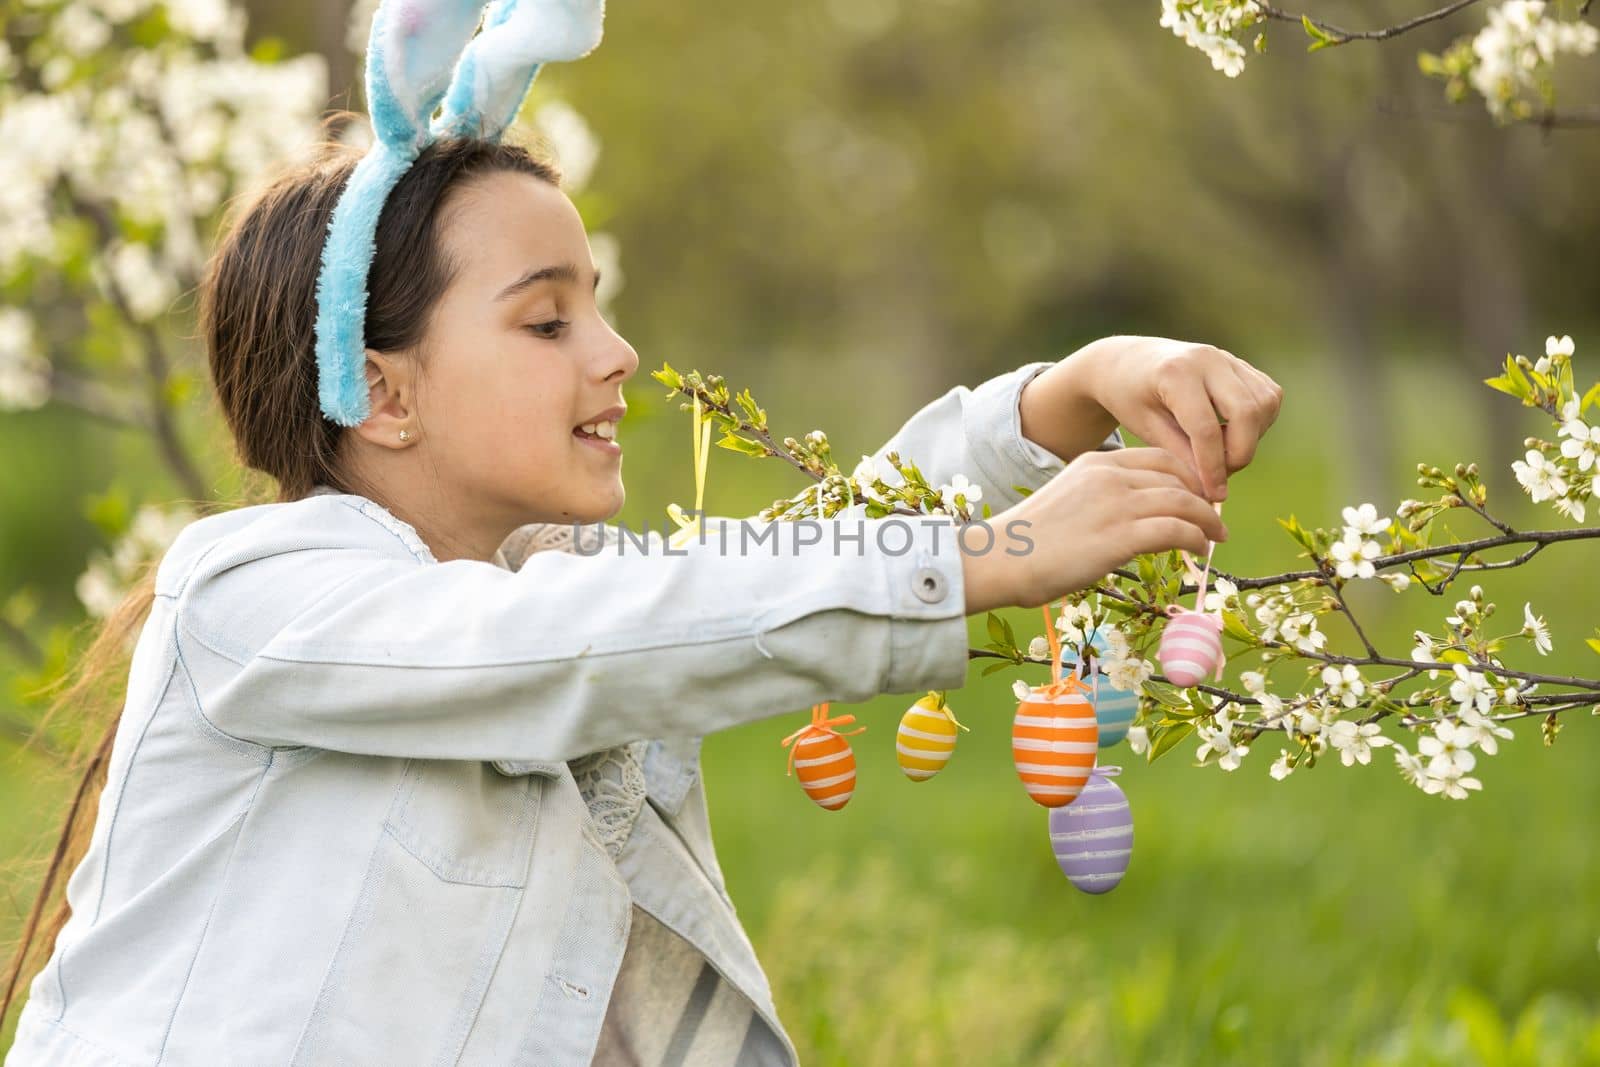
{"type": "Point", "coordinates": [689, 528]}
{"type": "Point", "coordinates": [820, 724]}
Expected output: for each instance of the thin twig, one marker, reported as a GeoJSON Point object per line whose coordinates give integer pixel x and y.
{"type": "Point", "coordinates": [1342, 36]}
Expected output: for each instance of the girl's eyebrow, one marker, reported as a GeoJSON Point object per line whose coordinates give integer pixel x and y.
{"type": "Point", "coordinates": [560, 272]}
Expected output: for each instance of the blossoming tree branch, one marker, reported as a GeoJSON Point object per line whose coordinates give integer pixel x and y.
{"type": "Point", "coordinates": [1510, 62]}
{"type": "Point", "coordinates": [1438, 705]}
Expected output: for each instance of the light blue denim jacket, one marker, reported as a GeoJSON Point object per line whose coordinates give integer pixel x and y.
{"type": "Point", "coordinates": [338, 825]}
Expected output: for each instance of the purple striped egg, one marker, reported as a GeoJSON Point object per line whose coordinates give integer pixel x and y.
{"type": "Point", "coordinates": [1093, 836]}
{"type": "Point", "coordinates": [1191, 646]}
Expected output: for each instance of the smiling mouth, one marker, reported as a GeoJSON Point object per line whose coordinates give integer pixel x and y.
{"type": "Point", "coordinates": [599, 434]}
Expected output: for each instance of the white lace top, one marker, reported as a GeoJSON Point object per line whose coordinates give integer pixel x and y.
{"type": "Point", "coordinates": [611, 781]}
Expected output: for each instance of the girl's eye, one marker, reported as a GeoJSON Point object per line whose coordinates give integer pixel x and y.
{"type": "Point", "coordinates": [554, 326]}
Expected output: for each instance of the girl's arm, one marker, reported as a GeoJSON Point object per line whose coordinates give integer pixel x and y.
{"type": "Point", "coordinates": [323, 631]}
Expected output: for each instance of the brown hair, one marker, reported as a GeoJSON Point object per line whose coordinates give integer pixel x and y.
{"type": "Point", "coordinates": [257, 319]}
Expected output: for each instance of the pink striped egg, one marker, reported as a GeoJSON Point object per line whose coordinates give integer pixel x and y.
{"type": "Point", "coordinates": [1191, 646]}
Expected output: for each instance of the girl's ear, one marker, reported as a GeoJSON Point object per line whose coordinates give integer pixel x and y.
{"type": "Point", "coordinates": [499, 65]}
{"type": "Point", "coordinates": [411, 51]}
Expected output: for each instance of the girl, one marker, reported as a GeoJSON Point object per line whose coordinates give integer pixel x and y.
{"type": "Point", "coordinates": [391, 785]}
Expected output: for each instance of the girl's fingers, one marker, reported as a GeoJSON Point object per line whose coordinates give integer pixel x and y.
{"type": "Point", "coordinates": [1162, 533]}
{"type": "Point", "coordinates": [1162, 460]}
{"type": "Point", "coordinates": [1191, 406]}
{"type": "Point", "coordinates": [1181, 504]}
{"type": "Point", "coordinates": [1237, 401]}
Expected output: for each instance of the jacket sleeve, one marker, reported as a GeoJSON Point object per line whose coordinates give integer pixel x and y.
{"type": "Point", "coordinates": [360, 649]}
{"type": "Point", "coordinates": [976, 432]}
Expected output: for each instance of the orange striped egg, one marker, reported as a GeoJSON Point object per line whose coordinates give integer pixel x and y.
{"type": "Point", "coordinates": [1053, 743]}
{"type": "Point", "coordinates": [926, 739]}
{"type": "Point", "coordinates": [826, 768]}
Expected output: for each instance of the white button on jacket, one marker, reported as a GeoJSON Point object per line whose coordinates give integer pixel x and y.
{"type": "Point", "coordinates": [338, 825]}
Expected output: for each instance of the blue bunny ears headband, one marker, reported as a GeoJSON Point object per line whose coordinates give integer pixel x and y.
{"type": "Point", "coordinates": [423, 54]}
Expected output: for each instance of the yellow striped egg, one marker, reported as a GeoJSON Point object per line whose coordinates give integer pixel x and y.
{"type": "Point", "coordinates": [926, 739]}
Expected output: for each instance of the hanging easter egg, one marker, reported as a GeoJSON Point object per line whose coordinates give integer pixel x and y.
{"type": "Point", "coordinates": [1053, 741]}
{"type": "Point", "coordinates": [1114, 710]}
{"type": "Point", "coordinates": [826, 768]}
{"type": "Point", "coordinates": [1191, 646]}
{"type": "Point", "coordinates": [822, 758]}
{"type": "Point", "coordinates": [927, 737]}
{"type": "Point", "coordinates": [1093, 837]}
{"type": "Point", "coordinates": [1098, 645]}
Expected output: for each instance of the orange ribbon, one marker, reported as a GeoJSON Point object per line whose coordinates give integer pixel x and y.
{"type": "Point", "coordinates": [820, 724]}
{"type": "Point", "coordinates": [1073, 682]}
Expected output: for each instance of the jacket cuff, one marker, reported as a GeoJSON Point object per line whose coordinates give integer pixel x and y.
{"type": "Point", "coordinates": [928, 628]}
{"type": "Point", "coordinates": [993, 426]}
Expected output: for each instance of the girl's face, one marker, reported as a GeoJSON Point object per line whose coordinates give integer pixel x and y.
{"type": "Point", "coordinates": [518, 359]}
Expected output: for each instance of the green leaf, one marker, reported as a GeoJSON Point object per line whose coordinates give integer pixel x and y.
{"type": "Point", "coordinates": [997, 666]}
{"type": "Point", "coordinates": [997, 628]}
{"type": "Point", "coordinates": [1593, 643]}
{"type": "Point", "coordinates": [734, 443]}
{"type": "Point", "coordinates": [1298, 532]}
{"type": "Point", "coordinates": [1504, 384]}
{"type": "Point", "coordinates": [1168, 739]}
{"type": "Point", "coordinates": [1591, 397]}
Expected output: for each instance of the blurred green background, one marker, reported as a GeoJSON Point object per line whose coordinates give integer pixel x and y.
{"type": "Point", "coordinates": [851, 206]}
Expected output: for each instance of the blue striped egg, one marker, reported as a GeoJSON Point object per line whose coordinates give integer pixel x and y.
{"type": "Point", "coordinates": [1093, 837]}
{"type": "Point", "coordinates": [1114, 710]}
{"type": "Point", "coordinates": [1098, 647]}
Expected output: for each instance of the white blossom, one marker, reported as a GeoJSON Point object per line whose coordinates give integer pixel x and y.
{"type": "Point", "coordinates": [24, 374]}
{"type": "Point", "coordinates": [1355, 741]}
{"type": "Point", "coordinates": [960, 492]}
{"type": "Point", "coordinates": [574, 143]}
{"type": "Point", "coordinates": [1447, 750]}
{"type": "Point", "coordinates": [1344, 684]}
{"type": "Point", "coordinates": [1366, 520]}
{"type": "Point", "coordinates": [1398, 582]}
{"type": "Point", "coordinates": [1479, 729]}
{"type": "Point", "coordinates": [1209, 25]}
{"type": "Point", "coordinates": [1138, 740]}
{"type": "Point", "coordinates": [1219, 739]}
{"type": "Point", "coordinates": [1581, 442]}
{"type": "Point", "coordinates": [1451, 780]}
{"type": "Point", "coordinates": [1424, 651]}
{"type": "Point", "coordinates": [1223, 595]}
{"type": "Point", "coordinates": [1300, 630]}
{"type": "Point", "coordinates": [1571, 506]}
{"type": "Point", "coordinates": [1471, 689]}
{"type": "Point", "coordinates": [108, 577]}
{"type": "Point", "coordinates": [1411, 767]}
{"type": "Point", "coordinates": [1535, 628]}
{"type": "Point", "coordinates": [1281, 767]}
{"type": "Point", "coordinates": [1541, 478]}
{"type": "Point", "coordinates": [1515, 49]}
{"type": "Point", "coordinates": [1128, 674]}
{"type": "Point", "coordinates": [146, 287]}
{"type": "Point", "coordinates": [1020, 689]}
{"type": "Point", "coordinates": [1354, 555]}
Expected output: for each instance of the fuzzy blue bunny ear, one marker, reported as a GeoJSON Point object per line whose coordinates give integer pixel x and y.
{"type": "Point", "coordinates": [412, 52]}
{"type": "Point", "coordinates": [498, 67]}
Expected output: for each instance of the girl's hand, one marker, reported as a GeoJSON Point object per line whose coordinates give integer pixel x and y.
{"type": "Point", "coordinates": [1097, 514]}
{"type": "Point", "coordinates": [1170, 393]}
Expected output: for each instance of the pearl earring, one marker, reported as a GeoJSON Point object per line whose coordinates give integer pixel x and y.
{"type": "Point", "coordinates": [405, 435]}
